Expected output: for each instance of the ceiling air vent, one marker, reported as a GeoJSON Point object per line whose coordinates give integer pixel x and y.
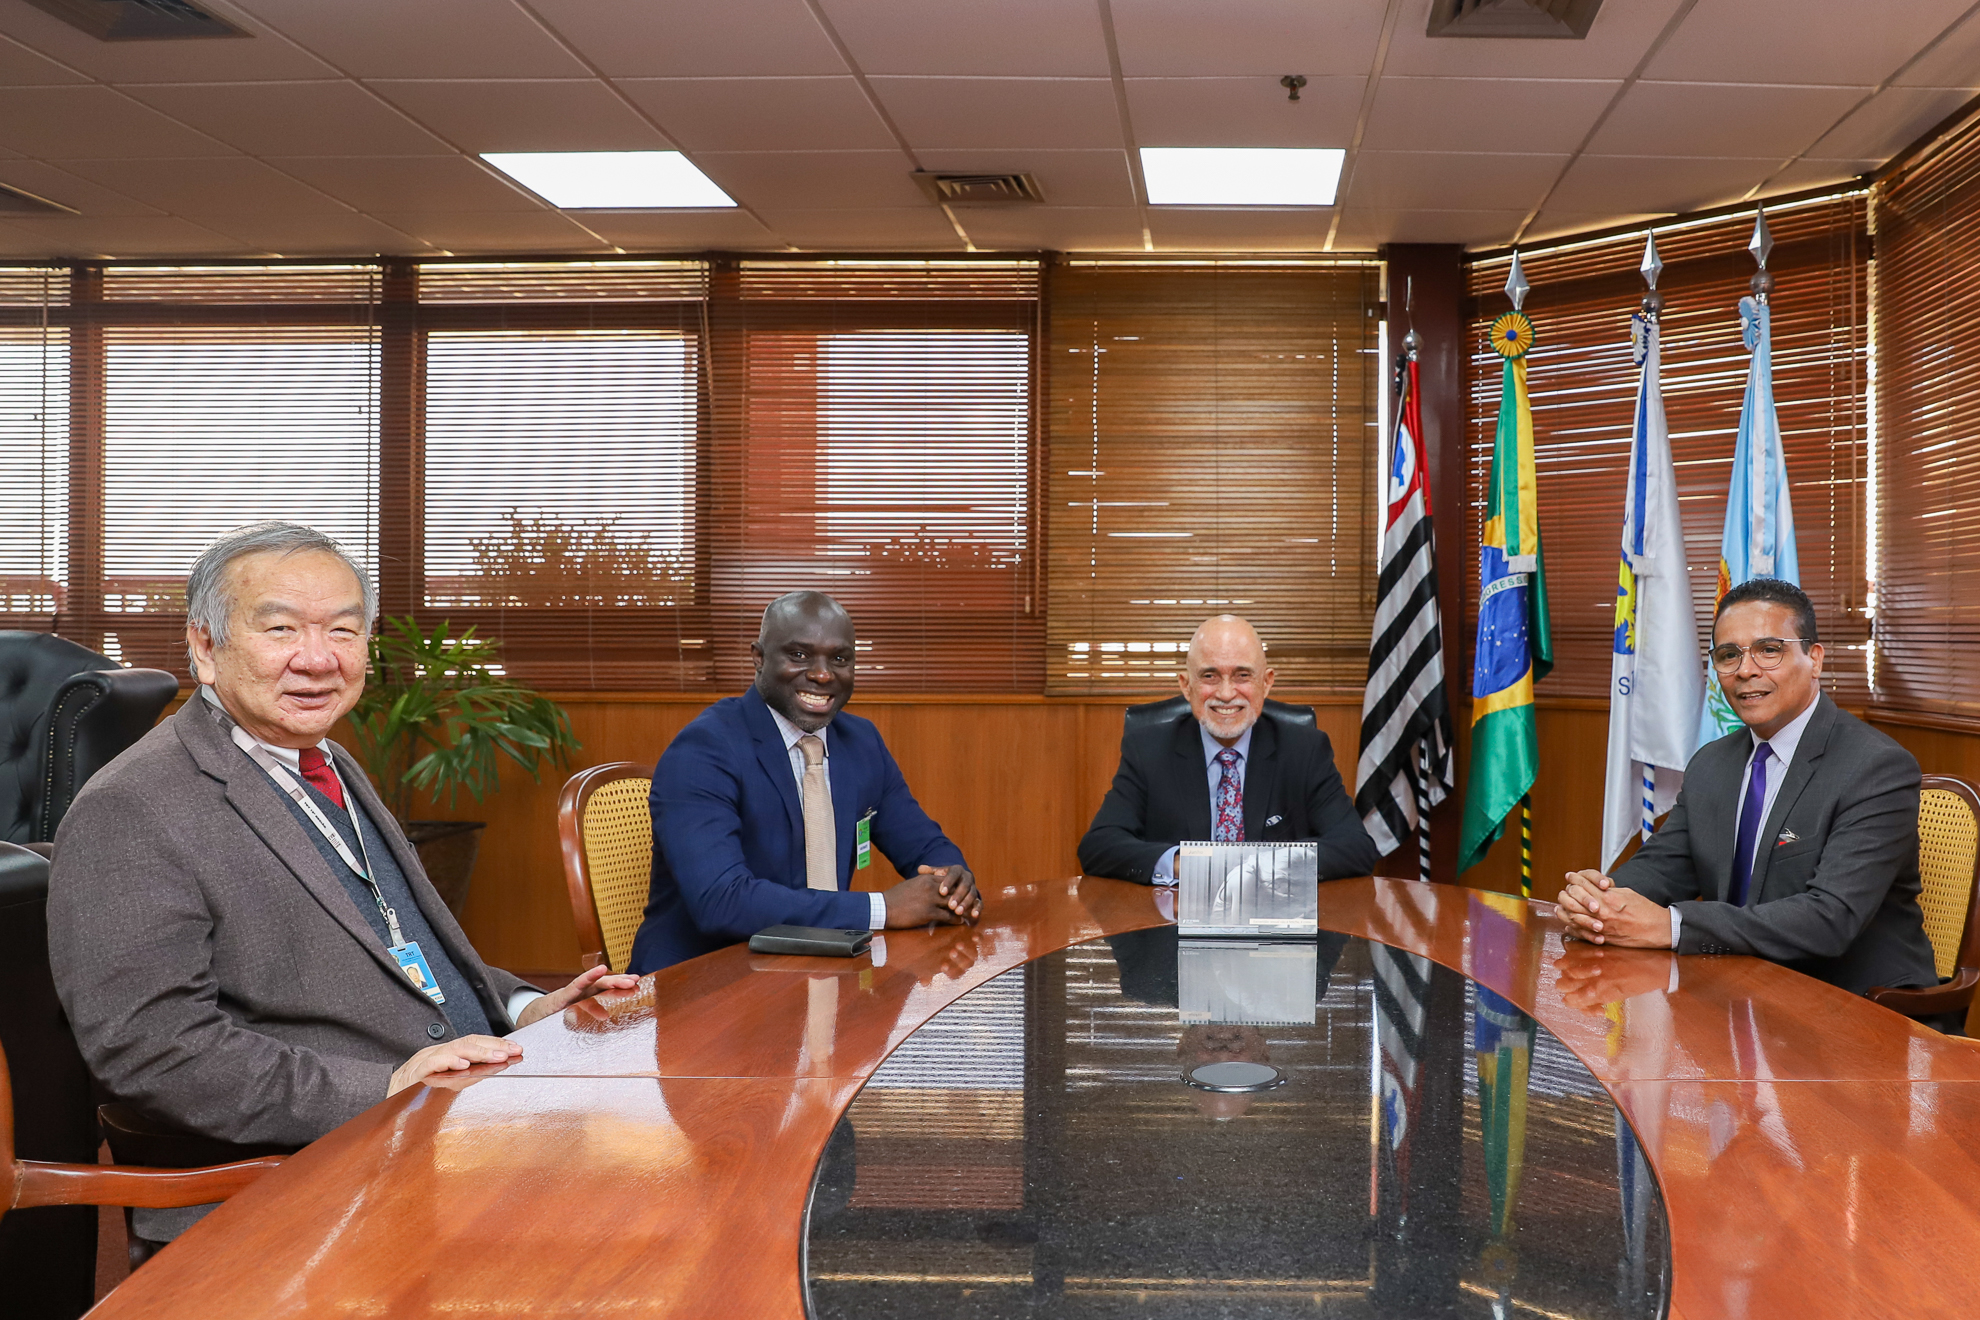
{"type": "Point", "coordinates": [15, 202]}
{"type": "Point", "coordinates": [978, 189]}
{"type": "Point", "coordinates": [138, 20]}
{"type": "Point", "coordinates": [1568, 19]}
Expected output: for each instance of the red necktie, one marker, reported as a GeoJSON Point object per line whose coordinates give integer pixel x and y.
{"type": "Point", "coordinates": [316, 769]}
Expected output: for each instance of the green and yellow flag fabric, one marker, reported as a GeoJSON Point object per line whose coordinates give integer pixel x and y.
{"type": "Point", "coordinates": [1515, 645]}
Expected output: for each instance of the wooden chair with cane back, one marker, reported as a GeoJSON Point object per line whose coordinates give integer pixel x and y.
{"type": "Point", "coordinates": [607, 832]}
{"type": "Point", "coordinates": [1948, 866]}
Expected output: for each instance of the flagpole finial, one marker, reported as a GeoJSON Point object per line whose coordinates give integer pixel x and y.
{"type": "Point", "coordinates": [1761, 246]}
{"type": "Point", "coordinates": [1652, 267]}
{"type": "Point", "coordinates": [1516, 285]}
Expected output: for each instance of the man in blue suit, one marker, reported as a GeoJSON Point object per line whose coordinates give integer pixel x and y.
{"type": "Point", "coordinates": [765, 806]}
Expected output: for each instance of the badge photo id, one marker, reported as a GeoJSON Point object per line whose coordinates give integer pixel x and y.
{"type": "Point", "coordinates": [413, 963]}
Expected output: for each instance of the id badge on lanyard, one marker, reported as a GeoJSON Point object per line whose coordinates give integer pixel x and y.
{"type": "Point", "coordinates": [406, 953]}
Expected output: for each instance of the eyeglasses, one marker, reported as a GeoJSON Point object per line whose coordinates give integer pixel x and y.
{"type": "Point", "coordinates": [1767, 653]}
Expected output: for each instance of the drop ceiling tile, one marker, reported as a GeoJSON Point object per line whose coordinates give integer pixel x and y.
{"type": "Point", "coordinates": [679, 231]}
{"type": "Point", "coordinates": [130, 238]}
{"type": "Point", "coordinates": [1364, 230]}
{"type": "Point", "coordinates": [75, 122]}
{"type": "Point", "coordinates": [1954, 62]}
{"type": "Point", "coordinates": [409, 183]}
{"type": "Point", "coordinates": [1247, 38]}
{"type": "Point", "coordinates": [21, 67]}
{"type": "Point", "coordinates": [229, 59]}
{"type": "Point", "coordinates": [940, 113]}
{"type": "Point", "coordinates": [1889, 122]}
{"type": "Point", "coordinates": [496, 231]}
{"type": "Point", "coordinates": [344, 235]}
{"type": "Point", "coordinates": [762, 114]}
{"type": "Point", "coordinates": [1614, 46]}
{"type": "Point", "coordinates": [293, 118]}
{"type": "Point", "coordinates": [1190, 229]}
{"type": "Point", "coordinates": [1403, 180]}
{"type": "Point", "coordinates": [71, 190]}
{"type": "Point", "coordinates": [424, 39]}
{"type": "Point", "coordinates": [1243, 112]}
{"type": "Point", "coordinates": [1053, 228]}
{"type": "Point", "coordinates": [733, 39]}
{"type": "Point", "coordinates": [230, 185]}
{"type": "Point", "coordinates": [995, 38]}
{"type": "Point", "coordinates": [1810, 172]}
{"type": "Point", "coordinates": [537, 115]}
{"type": "Point", "coordinates": [1718, 119]}
{"type": "Point", "coordinates": [879, 230]}
{"type": "Point", "coordinates": [1483, 114]}
{"type": "Point", "coordinates": [1658, 183]}
{"type": "Point", "coordinates": [1067, 178]}
{"type": "Point", "coordinates": [1784, 41]}
{"type": "Point", "coordinates": [814, 180]}
{"type": "Point", "coordinates": [1552, 223]}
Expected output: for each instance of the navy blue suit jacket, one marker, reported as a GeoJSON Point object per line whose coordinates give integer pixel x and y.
{"type": "Point", "coordinates": [728, 832]}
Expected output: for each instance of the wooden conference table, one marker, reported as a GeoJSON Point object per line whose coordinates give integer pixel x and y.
{"type": "Point", "coordinates": [1817, 1153]}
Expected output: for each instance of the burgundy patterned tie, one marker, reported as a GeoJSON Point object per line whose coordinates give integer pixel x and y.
{"type": "Point", "coordinates": [316, 769]}
{"type": "Point", "coordinates": [1230, 800]}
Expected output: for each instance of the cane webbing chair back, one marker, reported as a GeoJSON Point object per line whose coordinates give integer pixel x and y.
{"type": "Point", "coordinates": [607, 831]}
{"type": "Point", "coordinates": [1948, 851]}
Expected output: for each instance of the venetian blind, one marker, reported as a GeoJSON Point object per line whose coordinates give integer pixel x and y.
{"type": "Point", "coordinates": [872, 436]}
{"type": "Point", "coordinates": [1212, 449]}
{"type": "Point", "coordinates": [1927, 290]}
{"type": "Point", "coordinates": [34, 446]}
{"type": "Point", "coordinates": [560, 407]}
{"type": "Point", "coordinates": [1583, 386]}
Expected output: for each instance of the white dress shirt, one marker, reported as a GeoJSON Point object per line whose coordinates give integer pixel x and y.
{"type": "Point", "coordinates": [1165, 866]}
{"type": "Point", "coordinates": [876, 903]}
{"type": "Point", "coordinates": [292, 758]}
{"type": "Point", "coordinates": [1781, 748]}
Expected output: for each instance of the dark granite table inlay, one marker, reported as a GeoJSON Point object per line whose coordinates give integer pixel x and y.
{"type": "Point", "coordinates": [1033, 1150]}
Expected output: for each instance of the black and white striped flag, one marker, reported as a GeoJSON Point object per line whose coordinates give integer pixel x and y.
{"type": "Point", "coordinates": [1405, 764]}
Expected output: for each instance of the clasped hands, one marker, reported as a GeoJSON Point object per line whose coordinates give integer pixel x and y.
{"type": "Point", "coordinates": [941, 895]}
{"type": "Point", "coordinates": [1596, 909]}
{"type": "Point", "coordinates": [454, 1056]}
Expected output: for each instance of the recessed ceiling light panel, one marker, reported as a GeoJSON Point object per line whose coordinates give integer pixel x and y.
{"type": "Point", "coordinates": [1241, 176]}
{"type": "Point", "coordinates": [610, 180]}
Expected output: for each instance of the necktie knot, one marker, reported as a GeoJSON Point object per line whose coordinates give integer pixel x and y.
{"type": "Point", "coordinates": [315, 767]}
{"type": "Point", "coordinates": [1761, 753]}
{"type": "Point", "coordinates": [1228, 757]}
{"type": "Point", "coordinates": [812, 748]}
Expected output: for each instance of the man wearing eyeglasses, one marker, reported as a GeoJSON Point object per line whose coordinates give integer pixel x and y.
{"type": "Point", "coordinates": [1795, 840]}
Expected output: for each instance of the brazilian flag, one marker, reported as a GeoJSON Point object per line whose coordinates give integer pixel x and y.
{"type": "Point", "coordinates": [1515, 646]}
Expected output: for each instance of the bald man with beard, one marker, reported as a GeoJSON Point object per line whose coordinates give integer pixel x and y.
{"type": "Point", "coordinates": [1236, 772]}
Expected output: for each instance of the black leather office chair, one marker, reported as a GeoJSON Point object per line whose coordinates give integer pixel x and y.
{"type": "Point", "coordinates": [65, 713]}
{"type": "Point", "coordinates": [1177, 707]}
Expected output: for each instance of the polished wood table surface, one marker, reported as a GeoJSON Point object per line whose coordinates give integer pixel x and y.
{"type": "Point", "coordinates": [651, 1155]}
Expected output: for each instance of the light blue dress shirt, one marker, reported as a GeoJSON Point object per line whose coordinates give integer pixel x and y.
{"type": "Point", "coordinates": [1165, 868]}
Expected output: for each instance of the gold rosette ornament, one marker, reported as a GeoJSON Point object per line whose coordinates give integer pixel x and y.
{"type": "Point", "coordinates": [1512, 335]}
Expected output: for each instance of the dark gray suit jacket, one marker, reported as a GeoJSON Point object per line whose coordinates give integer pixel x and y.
{"type": "Point", "coordinates": [216, 972]}
{"type": "Point", "coordinates": [1834, 891]}
{"type": "Point", "coordinates": [1161, 796]}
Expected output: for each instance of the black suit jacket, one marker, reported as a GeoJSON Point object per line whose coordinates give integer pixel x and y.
{"type": "Point", "coordinates": [1161, 796]}
{"type": "Point", "coordinates": [1834, 891]}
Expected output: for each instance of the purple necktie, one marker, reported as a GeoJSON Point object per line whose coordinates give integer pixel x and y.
{"type": "Point", "coordinates": [1230, 800]}
{"type": "Point", "coordinates": [1750, 813]}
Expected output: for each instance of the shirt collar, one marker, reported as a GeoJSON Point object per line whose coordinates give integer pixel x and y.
{"type": "Point", "coordinates": [1211, 746]}
{"type": "Point", "coordinates": [792, 732]}
{"type": "Point", "coordinates": [1782, 744]}
{"type": "Point", "coordinates": [289, 756]}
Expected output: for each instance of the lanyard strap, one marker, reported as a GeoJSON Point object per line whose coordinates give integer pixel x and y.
{"type": "Point", "coordinates": [268, 761]}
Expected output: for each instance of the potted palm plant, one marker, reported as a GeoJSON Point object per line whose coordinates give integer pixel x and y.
{"type": "Point", "coordinates": [438, 715]}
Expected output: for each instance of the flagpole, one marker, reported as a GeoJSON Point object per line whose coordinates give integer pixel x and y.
{"type": "Point", "coordinates": [1423, 811]}
{"type": "Point", "coordinates": [1526, 845]}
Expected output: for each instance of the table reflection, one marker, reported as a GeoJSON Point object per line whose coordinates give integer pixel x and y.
{"type": "Point", "coordinates": [1433, 1152]}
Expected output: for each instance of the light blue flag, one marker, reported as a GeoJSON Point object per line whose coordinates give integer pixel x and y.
{"type": "Point", "coordinates": [1759, 535]}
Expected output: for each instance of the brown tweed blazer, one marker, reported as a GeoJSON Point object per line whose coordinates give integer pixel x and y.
{"type": "Point", "coordinates": [215, 971]}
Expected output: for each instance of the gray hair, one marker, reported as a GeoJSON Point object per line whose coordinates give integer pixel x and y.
{"type": "Point", "coordinates": [209, 604]}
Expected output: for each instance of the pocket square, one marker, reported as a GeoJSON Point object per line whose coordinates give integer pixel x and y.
{"type": "Point", "coordinates": [1787, 837]}
{"type": "Point", "coordinates": [1273, 820]}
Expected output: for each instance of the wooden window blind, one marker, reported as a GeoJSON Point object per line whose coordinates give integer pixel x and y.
{"type": "Point", "coordinates": [872, 436]}
{"type": "Point", "coordinates": [34, 447]}
{"type": "Point", "coordinates": [1583, 386]}
{"type": "Point", "coordinates": [1212, 449]}
{"type": "Point", "coordinates": [1927, 566]}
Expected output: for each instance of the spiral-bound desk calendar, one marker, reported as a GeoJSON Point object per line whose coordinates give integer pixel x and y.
{"type": "Point", "coordinates": [1254, 890]}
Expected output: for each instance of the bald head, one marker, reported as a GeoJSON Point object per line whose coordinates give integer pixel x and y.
{"type": "Point", "coordinates": [804, 653]}
{"type": "Point", "coordinates": [1225, 677]}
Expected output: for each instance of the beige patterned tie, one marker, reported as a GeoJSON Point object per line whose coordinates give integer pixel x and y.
{"type": "Point", "coordinates": [821, 869]}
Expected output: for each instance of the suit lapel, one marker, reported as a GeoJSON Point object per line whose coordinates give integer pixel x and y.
{"type": "Point", "coordinates": [1261, 776]}
{"type": "Point", "coordinates": [774, 757]}
{"type": "Point", "coordinates": [1807, 756]}
{"type": "Point", "coordinates": [1714, 789]}
{"type": "Point", "coordinates": [845, 800]}
{"type": "Point", "coordinates": [1188, 747]}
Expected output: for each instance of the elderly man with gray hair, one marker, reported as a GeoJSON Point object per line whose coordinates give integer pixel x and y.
{"type": "Point", "coordinates": [243, 938]}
